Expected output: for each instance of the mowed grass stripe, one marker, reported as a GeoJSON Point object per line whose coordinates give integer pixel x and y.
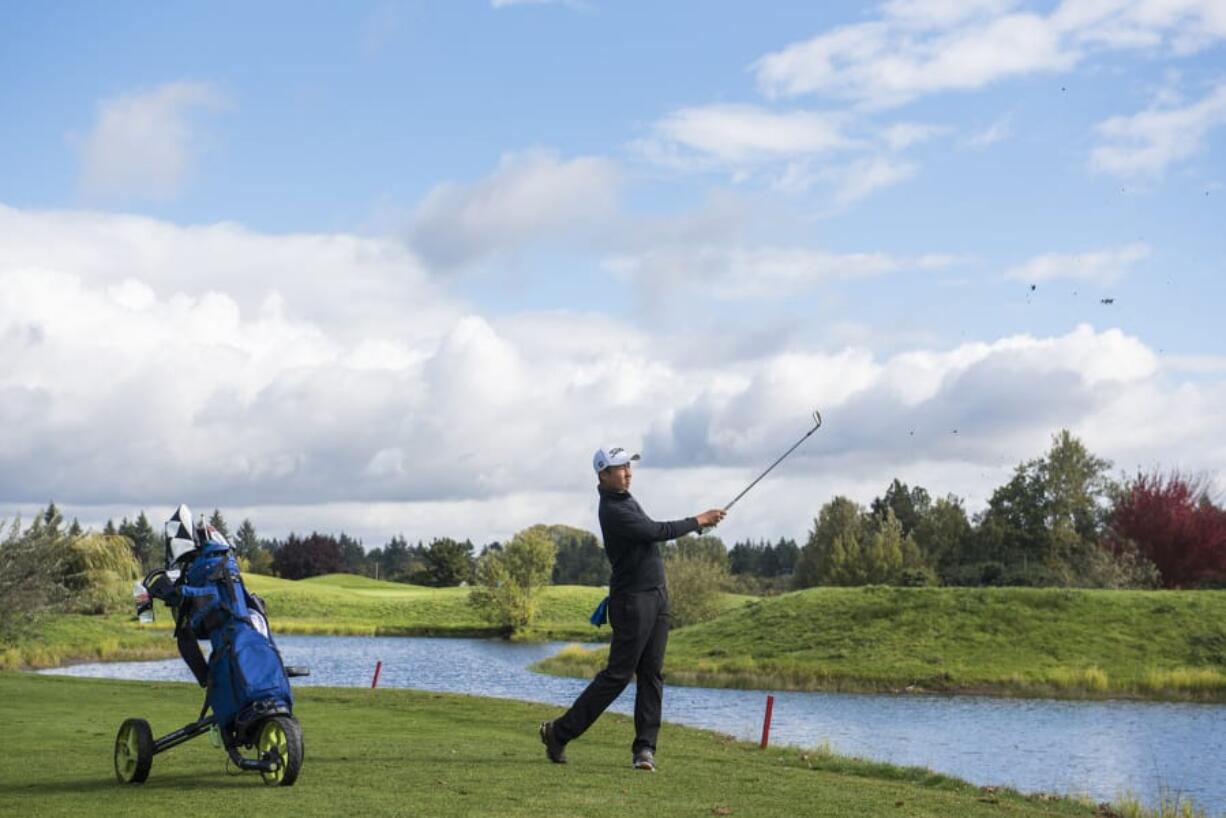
{"type": "Point", "coordinates": [396, 752]}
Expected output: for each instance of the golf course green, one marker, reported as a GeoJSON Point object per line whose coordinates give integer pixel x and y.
{"type": "Point", "coordinates": [400, 752]}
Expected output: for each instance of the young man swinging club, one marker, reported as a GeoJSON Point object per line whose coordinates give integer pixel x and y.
{"type": "Point", "coordinates": [638, 612]}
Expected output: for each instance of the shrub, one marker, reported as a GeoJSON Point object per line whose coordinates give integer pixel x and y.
{"type": "Point", "coordinates": [30, 581]}
{"type": "Point", "coordinates": [509, 581]}
{"type": "Point", "coordinates": [694, 584]}
{"type": "Point", "coordinates": [97, 571]}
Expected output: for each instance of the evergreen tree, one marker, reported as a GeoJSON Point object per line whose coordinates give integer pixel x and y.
{"type": "Point", "coordinates": [787, 552]}
{"type": "Point", "coordinates": [394, 560]}
{"type": "Point", "coordinates": [353, 553]}
{"type": "Point", "coordinates": [246, 543]}
{"type": "Point", "coordinates": [109, 528]}
{"type": "Point", "coordinates": [219, 522]}
{"type": "Point", "coordinates": [145, 544]}
{"type": "Point", "coordinates": [52, 520]}
{"type": "Point", "coordinates": [579, 558]}
{"type": "Point", "coordinates": [449, 563]}
{"type": "Point", "coordinates": [75, 530]}
{"type": "Point", "coordinates": [908, 504]}
{"type": "Point", "coordinates": [745, 558]}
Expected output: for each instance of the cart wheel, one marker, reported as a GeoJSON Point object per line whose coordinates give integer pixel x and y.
{"type": "Point", "coordinates": [281, 740]}
{"type": "Point", "coordinates": [133, 751]}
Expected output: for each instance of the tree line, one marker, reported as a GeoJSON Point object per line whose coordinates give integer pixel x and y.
{"type": "Point", "coordinates": [1060, 520]}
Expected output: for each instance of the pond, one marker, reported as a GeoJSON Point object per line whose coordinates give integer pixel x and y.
{"type": "Point", "coordinates": [1099, 749]}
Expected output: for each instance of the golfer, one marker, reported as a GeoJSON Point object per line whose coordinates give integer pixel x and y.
{"type": "Point", "coordinates": [638, 612]}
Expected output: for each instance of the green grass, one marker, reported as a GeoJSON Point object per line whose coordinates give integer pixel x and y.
{"type": "Point", "coordinates": [336, 605]}
{"type": "Point", "coordinates": [353, 605]}
{"type": "Point", "coordinates": [1011, 641]}
{"type": "Point", "coordinates": [398, 752]}
{"type": "Point", "coordinates": [65, 638]}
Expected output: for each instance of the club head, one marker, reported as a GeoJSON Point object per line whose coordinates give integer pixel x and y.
{"type": "Point", "coordinates": [817, 419]}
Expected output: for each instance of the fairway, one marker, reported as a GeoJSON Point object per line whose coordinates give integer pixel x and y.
{"type": "Point", "coordinates": [396, 752]}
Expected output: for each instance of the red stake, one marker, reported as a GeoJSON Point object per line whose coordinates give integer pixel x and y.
{"type": "Point", "coordinates": [766, 722]}
{"type": "Point", "coordinates": [375, 681]}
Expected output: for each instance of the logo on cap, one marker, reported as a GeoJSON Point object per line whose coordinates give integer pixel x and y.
{"type": "Point", "coordinates": [616, 456]}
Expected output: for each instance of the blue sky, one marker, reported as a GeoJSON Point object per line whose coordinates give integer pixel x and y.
{"type": "Point", "coordinates": [427, 256]}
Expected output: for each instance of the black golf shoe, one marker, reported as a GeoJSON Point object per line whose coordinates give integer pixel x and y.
{"type": "Point", "coordinates": [644, 760]}
{"type": "Point", "coordinates": [556, 750]}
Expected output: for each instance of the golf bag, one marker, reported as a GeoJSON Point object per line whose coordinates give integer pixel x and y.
{"type": "Point", "coordinates": [244, 675]}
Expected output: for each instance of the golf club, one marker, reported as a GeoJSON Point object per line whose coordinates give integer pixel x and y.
{"type": "Point", "coordinates": [817, 424]}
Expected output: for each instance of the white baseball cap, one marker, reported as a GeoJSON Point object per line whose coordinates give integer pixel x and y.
{"type": "Point", "coordinates": [616, 456]}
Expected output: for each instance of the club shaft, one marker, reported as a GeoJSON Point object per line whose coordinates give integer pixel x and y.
{"type": "Point", "coordinates": [771, 466]}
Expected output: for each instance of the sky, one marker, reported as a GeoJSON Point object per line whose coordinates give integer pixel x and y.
{"type": "Point", "coordinates": [400, 268]}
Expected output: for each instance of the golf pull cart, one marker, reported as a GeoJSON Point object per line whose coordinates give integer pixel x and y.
{"type": "Point", "coordinates": [246, 684]}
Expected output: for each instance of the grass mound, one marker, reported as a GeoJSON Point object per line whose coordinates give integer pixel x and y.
{"type": "Point", "coordinates": [352, 605]}
{"type": "Point", "coordinates": [395, 752]}
{"type": "Point", "coordinates": [1023, 641]}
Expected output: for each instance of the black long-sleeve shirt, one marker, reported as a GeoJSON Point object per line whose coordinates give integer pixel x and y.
{"type": "Point", "coordinates": [631, 540]}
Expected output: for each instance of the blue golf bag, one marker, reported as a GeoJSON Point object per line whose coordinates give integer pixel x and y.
{"type": "Point", "coordinates": [246, 677]}
{"type": "Point", "coordinates": [247, 685]}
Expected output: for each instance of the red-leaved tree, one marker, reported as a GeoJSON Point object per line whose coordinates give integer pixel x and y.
{"type": "Point", "coordinates": [308, 557]}
{"type": "Point", "coordinates": [1172, 522]}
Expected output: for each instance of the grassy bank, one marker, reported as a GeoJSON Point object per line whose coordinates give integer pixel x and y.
{"type": "Point", "coordinates": [337, 604]}
{"type": "Point", "coordinates": [344, 604]}
{"type": "Point", "coordinates": [1008, 641]}
{"type": "Point", "coordinates": [393, 752]}
{"type": "Point", "coordinates": [69, 638]}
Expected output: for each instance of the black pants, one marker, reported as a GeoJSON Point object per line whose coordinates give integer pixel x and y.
{"type": "Point", "coordinates": [640, 635]}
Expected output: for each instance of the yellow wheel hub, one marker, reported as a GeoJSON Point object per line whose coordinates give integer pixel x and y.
{"type": "Point", "coordinates": [274, 745]}
{"type": "Point", "coordinates": [127, 750]}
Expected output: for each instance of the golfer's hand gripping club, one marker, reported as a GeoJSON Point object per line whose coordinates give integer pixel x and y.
{"type": "Point", "coordinates": [710, 518]}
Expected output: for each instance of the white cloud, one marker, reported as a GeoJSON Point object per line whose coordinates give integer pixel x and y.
{"type": "Point", "coordinates": [1104, 266]}
{"type": "Point", "coordinates": [1146, 143]}
{"type": "Point", "coordinates": [531, 195]}
{"type": "Point", "coordinates": [795, 151]}
{"type": "Point", "coordinates": [144, 144]}
{"type": "Point", "coordinates": [996, 132]}
{"type": "Point", "coordinates": [902, 135]}
{"type": "Point", "coordinates": [136, 377]}
{"type": "Point", "coordinates": [920, 47]}
{"type": "Point", "coordinates": [337, 280]}
{"type": "Point", "coordinates": [893, 61]}
{"type": "Point", "coordinates": [732, 272]}
{"type": "Point", "coordinates": [865, 176]}
{"type": "Point", "coordinates": [1183, 26]}
{"type": "Point", "coordinates": [746, 133]}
